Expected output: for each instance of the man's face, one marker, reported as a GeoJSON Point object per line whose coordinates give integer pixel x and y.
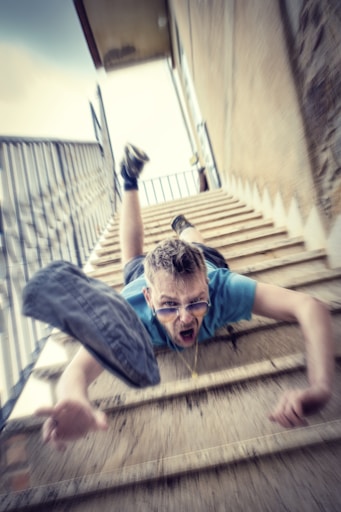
{"type": "Point", "coordinates": [168, 292]}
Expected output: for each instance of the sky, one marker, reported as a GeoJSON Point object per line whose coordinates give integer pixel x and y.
{"type": "Point", "coordinates": [47, 79]}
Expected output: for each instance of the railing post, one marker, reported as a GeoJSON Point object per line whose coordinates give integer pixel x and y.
{"type": "Point", "coordinates": [54, 203]}
{"type": "Point", "coordinates": [67, 193]}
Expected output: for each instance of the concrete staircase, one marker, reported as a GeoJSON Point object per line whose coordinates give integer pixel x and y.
{"type": "Point", "coordinates": [192, 445]}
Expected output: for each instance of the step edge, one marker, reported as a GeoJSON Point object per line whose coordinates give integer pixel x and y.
{"type": "Point", "coordinates": [301, 257]}
{"type": "Point", "coordinates": [252, 233]}
{"type": "Point", "coordinates": [175, 389]}
{"type": "Point", "coordinates": [253, 250]}
{"type": "Point", "coordinates": [204, 227]}
{"type": "Point", "coordinates": [175, 466]}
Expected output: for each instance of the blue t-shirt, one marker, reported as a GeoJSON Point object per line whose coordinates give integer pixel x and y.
{"type": "Point", "coordinates": [231, 295]}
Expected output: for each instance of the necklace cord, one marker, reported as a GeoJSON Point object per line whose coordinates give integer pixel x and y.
{"type": "Point", "coordinates": [192, 369]}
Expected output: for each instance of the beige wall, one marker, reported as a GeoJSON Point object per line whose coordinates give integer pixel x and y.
{"type": "Point", "coordinates": [268, 139]}
{"type": "Point", "coordinates": [203, 36]}
{"type": "Point", "coordinates": [210, 70]}
{"type": "Point", "coordinates": [238, 56]}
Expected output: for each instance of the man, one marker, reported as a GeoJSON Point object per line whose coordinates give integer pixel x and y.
{"type": "Point", "coordinates": [186, 293]}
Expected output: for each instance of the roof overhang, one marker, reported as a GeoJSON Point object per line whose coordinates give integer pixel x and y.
{"type": "Point", "coordinates": [125, 32]}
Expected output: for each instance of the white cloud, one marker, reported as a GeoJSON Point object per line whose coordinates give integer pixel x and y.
{"type": "Point", "coordinates": [142, 107]}
{"type": "Point", "coordinates": [40, 100]}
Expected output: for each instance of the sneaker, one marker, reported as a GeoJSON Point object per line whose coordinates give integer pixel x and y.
{"type": "Point", "coordinates": [179, 223]}
{"type": "Point", "coordinates": [134, 160]}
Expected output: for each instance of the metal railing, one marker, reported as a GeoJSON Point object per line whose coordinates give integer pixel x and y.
{"type": "Point", "coordinates": [165, 188]}
{"type": "Point", "coordinates": [56, 199]}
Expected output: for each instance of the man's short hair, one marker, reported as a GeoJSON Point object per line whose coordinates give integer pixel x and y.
{"type": "Point", "coordinates": [175, 256]}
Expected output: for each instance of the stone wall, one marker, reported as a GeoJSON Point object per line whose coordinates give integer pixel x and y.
{"type": "Point", "coordinates": [315, 33]}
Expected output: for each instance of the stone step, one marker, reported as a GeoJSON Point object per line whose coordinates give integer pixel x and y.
{"type": "Point", "coordinates": [276, 271]}
{"type": "Point", "coordinates": [212, 420]}
{"type": "Point", "coordinates": [282, 269]}
{"type": "Point", "coordinates": [261, 340]}
{"type": "Point", "coordinates": [208, 228]}
{"type": "Point", "coordinates": [228, 212]}
{"type": "Point", "coordinates": [202, 444]}
{"type": "Point", "coordinates": [212, 238]}
{"type": "Point", "coordinates": [194, 213]}
{"type": "Point", "coordinates": [294, 470]}
{"type": "Point", "coordinates": [215, 230]}
{"type": "Point", "coordinates": [274, 245]}
{"type": "Point", "coordinates": [323, 276]}
{"type": "Point", "coordinates": [302, 280]}
{"type": "Point", "coordinates": [193, 207]}
{"type": "Point", "coordinates": [61, 348]}
{"type": "Point", "coordinates": [258, 340]}
{"type": "Point", "coordinates": [205, 224]}
{"type": "Point", "coordinates": [262, 251]}
{"type": "Point", "coordinates": [187, 202]}
{"type": "Point", "coordinates": [300, 270]}
{"type": "Point", "coordinates": [323, 290]}
{"type": "Point", "coordinates": [267, 483]}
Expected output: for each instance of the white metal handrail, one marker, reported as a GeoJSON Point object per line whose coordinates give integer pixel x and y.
{"type": "Point", "coordinates": [56, 199]}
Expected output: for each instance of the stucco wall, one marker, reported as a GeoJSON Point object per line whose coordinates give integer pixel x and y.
{"type": "Point", "coordinates": [315, 43]}
{"type": "Point", "coordinates": [267, 131]}
{"type": "Point", "coordinates": [243, 80]}
{"type": "Point", "coordinates": [204, 40]}
{"type": "Point", "coordinates": [208, 33]}
{"type": "Point", "coordinates": [249, 95]}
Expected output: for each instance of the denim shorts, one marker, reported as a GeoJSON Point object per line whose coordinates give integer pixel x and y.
{"type": "Point", "coordinates": [134, 268]}
{"type": "Point", "coordinates": [97, 316]}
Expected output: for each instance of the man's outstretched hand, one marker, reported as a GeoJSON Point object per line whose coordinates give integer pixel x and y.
{"type": "Point", "coordinates": [70, 420]}
{"type": "Point", "coordinates": [295, 404]}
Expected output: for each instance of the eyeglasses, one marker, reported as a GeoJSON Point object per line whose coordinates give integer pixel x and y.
{"type": "Point", "coordinates": [196, 309]}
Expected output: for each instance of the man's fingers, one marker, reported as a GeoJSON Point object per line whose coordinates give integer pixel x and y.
{"type": "Point", "coordinates": [281, 419]}
{"type": "Point", "coordinates": [48, 429]}
{"type": "Point", "coordinates": [101, 421]}
{"type": "Point", "coordinates": [294, 411]}
{"type": "Point", "coordinates": [56, 442]}
{"type": "Point", "coordinates": [44, 411]}
{"type": "Point", "coordinates": [278, 415]}
{"type": "Point", "coordinates": [50, 435]}
{"type": "Point", "coordinates": [299, 418]}
{"type": "Point", "coordinates": [295, 408]}
{"type": "Point", "coordinates": [289, 412]}
{"type": "Point", "coordinates": [68, 421]}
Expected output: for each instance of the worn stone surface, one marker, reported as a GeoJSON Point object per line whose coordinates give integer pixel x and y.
{"type": "Point", "coordinates": [317, 47]}
{"type": "Point", "coordinates": [186, 443]}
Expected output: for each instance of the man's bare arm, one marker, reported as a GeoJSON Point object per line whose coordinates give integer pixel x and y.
{"type": "Point", "coordinates": [78, 375]}
{"type": "Point", "coordinates": [73, 416]}
{"type": "Point", "coordinates": [315, 323]}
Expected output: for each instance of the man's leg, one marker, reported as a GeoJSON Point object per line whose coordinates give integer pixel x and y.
{"type": "Point", "coordinates": [192, 235]}
{"type": "Point", "coordinates": [203, 184]}
{"type": "Point", "coordinates": [185, 230]}
{"type": "Point", "coordinates": [131, 225]}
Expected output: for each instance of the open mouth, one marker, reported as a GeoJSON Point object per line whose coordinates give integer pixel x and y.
{"type": "Point", "coordinates": [187, 336]}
